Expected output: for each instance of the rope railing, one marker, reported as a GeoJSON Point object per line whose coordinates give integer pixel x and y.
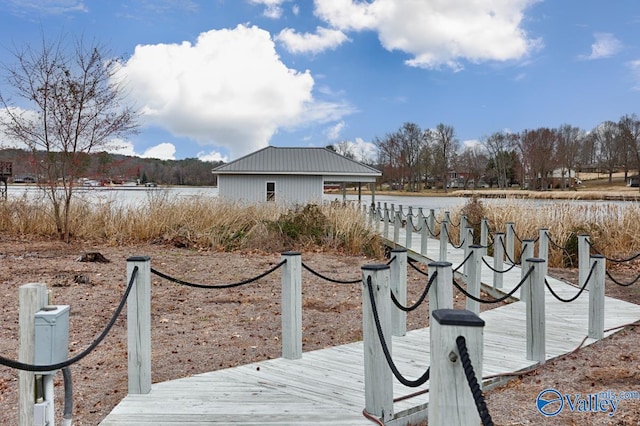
{"type": "Point", "coordinates": [451, 241]}
{"type": "Point", "coordinates": [499, 299]}
{"type": "Point", "coordinates": [560, 247]}
{"type": "Point", "coordinates": [333, 280]}
{"type": "Point", "coordinates": [615, 281]}
{"type": "Point", "coordinates": [385, 349]}
{"type": "Point", "coordinates": [495, 270]}
{"type": "Point", "coordinates": [420, 299]}
{"type": "Point", "coordinates": [217, 286]}
{"type": "Point", "coordinates": [582, 288]}
{"type": "Point", "coordinates": [506, 254]}
{"type": "Point", "coordinates": [457, 268]}
{"type": "Point", "coordinates": [470, 374]}
{"type": "Point", "coordinates": [411, 263]}
{"type": "Point", "coordinates": [17, 365]}
{"type": "Point", "coordinates": [614, 260]}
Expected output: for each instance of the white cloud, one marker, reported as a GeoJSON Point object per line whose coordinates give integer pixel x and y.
{"type": "Point", "coordinates": [212, 156]}
{"type": "Point", "coordinates": [438, 33]}
{"type": "Point", "coordinates": [322, 40]}
{"type": "Point", "coordinates": [606, 45]}
{"type": "Point", "coordinates": [229, 89]}
{"type": "Point", "coordinates": [272, 8]}
{"type": "Point", "coordinates": [363, 151]}
{"type": "Point", "coordinates": [333, 132]}
{"type": "Point", "coordinates": [162, 151]}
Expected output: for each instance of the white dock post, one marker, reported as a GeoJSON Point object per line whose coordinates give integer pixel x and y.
{"type": "Point", "coordinates": [466, 239]}
{"type": "Point", "coordinates": [484, 235]}
{"type": "Point", "coordinates": [498, 260]}
{"type": "Point", "coordinates": [510, 241]}
{"type": "Point", "coordinates": [596, 297]}
{"type": "Point", "coordinates": [32, 298]}
{"type": "Point", "coordinates": [292, 305]}
{"type": "Point", "coordinates": [408, 231]}
{"type": "Point", "coordinates": [583, 258]}
{"type": "Point", "coordinates": [444, 240]}
{"type": "Point", "coordinates": [378, 385]}
{"type": "Point", "coordinates": [543, 247]}
{"type": "Point", "coordinates": [424, 236]}
{"type": "Point", "coordinates": [441, 291]}
{"type": "Point", "coordinates": [474, 277]}
{"type": "Point", "coordinates": [463, 228]}
{"type": "Point", "coordinates": [450, 399]}
{"type": "Point", "coordinates": [397, 224]}
{"type": "Point", "coordinates": [139, 325]}
{"type": "Point", "coordinates": [399, 289]}
{"type": "Point", "coordinates": [432, 222]}
{"type": "Point", "coordinates": [536, 349]}
{"type": "Point", "coordinates": [527, 253]}
{"type": "Point", "coordinates": [387, 219]}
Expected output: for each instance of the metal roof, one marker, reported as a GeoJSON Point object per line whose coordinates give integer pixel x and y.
{"type": "Point", "coordinates": [299, 161]}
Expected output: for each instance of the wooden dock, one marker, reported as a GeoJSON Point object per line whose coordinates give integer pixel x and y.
{"type": "Point", "coordinates": [327, 386]}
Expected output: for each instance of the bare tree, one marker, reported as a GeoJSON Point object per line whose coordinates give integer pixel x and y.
{"type": "Point", "coordinates": [605, 136]}
{"type": "Point", "coordinates": [539, 147]}
{"type": "Point", "coordinates": [568, 148]}
{"type": "Point", "coordinates": [473, 161]}
{"type": "Point", "coordinates": [445, 144]}
{"type": "Point", "coordinates": [629, 126]}
{"type": "Point", "coordinates": [498, 145]}
{"type": "Point", "coordinates": [73, 104]}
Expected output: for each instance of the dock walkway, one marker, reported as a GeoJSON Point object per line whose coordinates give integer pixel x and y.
{"type": "Point", "coordinates": [327, 386]}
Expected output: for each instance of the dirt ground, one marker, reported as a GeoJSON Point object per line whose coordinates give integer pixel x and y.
{"type": "Point", "coordinates": [196, 330]}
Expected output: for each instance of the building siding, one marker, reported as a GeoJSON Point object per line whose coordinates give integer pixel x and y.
{"type": "Point", "coordinates": [253, 188]}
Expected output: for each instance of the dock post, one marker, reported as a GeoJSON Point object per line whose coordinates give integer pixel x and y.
{"type": "Point", "coordinates": [424, 235]}
{"type": "Point", "coordinates": [32, 298]}
{"type": "Point", "coordinates": [463, 228]}
{"type": "Point", "coordinates": [498, 260]}
{"type": "Point", "coordinates": [378, 384]}
{"type": "Point", "coordinates": [536, 350]}
{"type": "Point", "coordinates": [450, 399]}
{"type": "Point", "coordinates": [484, 235]}
{"type": "Point", "coordinates": [139, 325]}
{"type": "Point", "coordinates": [444, 240]}
{"type": "Point", "coordinates": [596, 297]}
{"type": "Point", "coordinates": [583, 258]}
{"type": "Point", "coordinates": [432, 223]}
{"type": "Point", "coordinates": [474, 277]}
{"type": "Point", "coordinates": [510, 241]}
{"type": "Point", "coordinates": [397, 224]}
{"type": "Point", "coordinates": [543, 247]}
{"type": "Point", "coordinates": [441, 291]}
{"type": "Point", "coordinates": [527, 253]}
{"type": "Point", "coordinates": [408, 231]}
{"type": "Point", "coordinates": [399, 290]}
{"type": "Point", "coordinates": [292, 305]}
{"type": "Point", "coordinates": [466, 239]}
{"type": "Point", "coordinates": [386, 218]}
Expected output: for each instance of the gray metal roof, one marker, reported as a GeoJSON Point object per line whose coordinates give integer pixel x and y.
{"type": "Point", "coordinates": [299, 161]}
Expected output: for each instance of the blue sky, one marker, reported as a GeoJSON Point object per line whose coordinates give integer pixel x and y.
{"type": "Point", "coordinates": [218, 79]}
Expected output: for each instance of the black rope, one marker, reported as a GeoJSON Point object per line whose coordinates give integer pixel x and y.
{"type": "Point", "coordinates": [410, 383]}
{"type": "Point", "coordinates": [420, 300]}
{"type": "Point", "coordinates": [584, 286]}
{"type": "Point", "coordinates": [495, 270]}
{"type": "Point", "coordinates": [219, 286]}
{"type": "Point", "coordinates": [517, 237]}
{"type": "Point", "coordinates": [391, 260]}
{"type": "Point", "coordinates": [564, 249]}
{"type": "Point", "coordinates": [411, 263]}
{"type": "Point", "coordinates": [634, 257]}
{"type": "Point", "coordinates": [498, 300]}
{"type": "Point", "coordinates": [513, 262]}
{"type": "Point", "coordinates": [622, 284]}
{"type": "Point", "coordinates": [36, 368]}
{"type": "Point", "coordinates": [324, 277]}
{"type": "Point", "coordinates": [451, 241]}
{"type": "Point", "coordinates": [463, 262]}
{"type": "Point", "coordinates": [470, 374]}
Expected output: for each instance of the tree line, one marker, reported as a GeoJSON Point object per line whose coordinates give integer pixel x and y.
{"type": "Point", "coordinates": [412, 158]}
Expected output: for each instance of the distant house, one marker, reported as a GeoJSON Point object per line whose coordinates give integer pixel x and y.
{"type": "Point", "coordinates": [289, 175]}
{"type": "Point", "coordinates": [633, 181]}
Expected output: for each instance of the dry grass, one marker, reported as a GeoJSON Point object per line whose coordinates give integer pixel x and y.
{"type": "Point", "coordinates": [200, 223]}
{"type": "Point", "coordinates": [613, 228]}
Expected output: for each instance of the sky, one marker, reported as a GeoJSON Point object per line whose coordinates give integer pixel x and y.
{"type": "Point", "coordinates": [218, 79]}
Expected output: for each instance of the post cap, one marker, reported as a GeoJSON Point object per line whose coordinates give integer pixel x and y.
{"type": "Point", "coordinates": [457, 317]}
{"type": "Point", "coordinates": [138, 259]}
{"type": "Point", "coordinates": [375, 267]}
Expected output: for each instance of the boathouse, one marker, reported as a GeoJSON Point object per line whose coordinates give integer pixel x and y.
{"type": "Point", "coordinates": [290, 175]}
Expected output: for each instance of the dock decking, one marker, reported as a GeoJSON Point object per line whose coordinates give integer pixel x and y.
{"type": "Point", "coordinates": [327, 386]}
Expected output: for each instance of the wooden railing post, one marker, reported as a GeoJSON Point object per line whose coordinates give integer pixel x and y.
{"type": "Point", "coordinates": [536, 349]}
{"type": "Point", "coordinates": [463, 228]}
{"type": "Point", "coordinates": [32, 298]}
{"type": "Point", "coordinates": [441, 291]}
{"type": "Point", "coordinates": [543, 247]}
{"type": "Point", "coordinates": [432, 222]}
{"type": "Point", "coordinates": [450, 399]}
{"type": "Point", "coordinates": [527, 253]}
{"type": "Point", "coordinates": [466, 239]}
{"type": "Point", "coordinates": [498, 259]}
{"type": "Point", "coordinates": [510, 241]}
{"type": "Point", "coordinates": [444, 240]}
{"type": "Point", "coordinates": [583, 258]}
{"type": "Point", "coordinates": [397, 224]}
{"type": "Point", "coordinates": [292, 305]}
{"type": "Point", "coordinates": [139, 325]}
{"type": "Point", "coordinates": [408, 231]}
{"type": "Point", "coordinates": [596, 297]}
{"type": "Point", "coordinates": [399, 289]}
{"type": "Point", "coordinates": [474, 277]}
{"type": "Point", "coordinates": [424, 236]}
{"type": "Point", "coordinates": [484, 235]}
{"type": "Point", "coordinates": [378, 385]}
{"type": "Point", "coordinates": [387, 218]}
